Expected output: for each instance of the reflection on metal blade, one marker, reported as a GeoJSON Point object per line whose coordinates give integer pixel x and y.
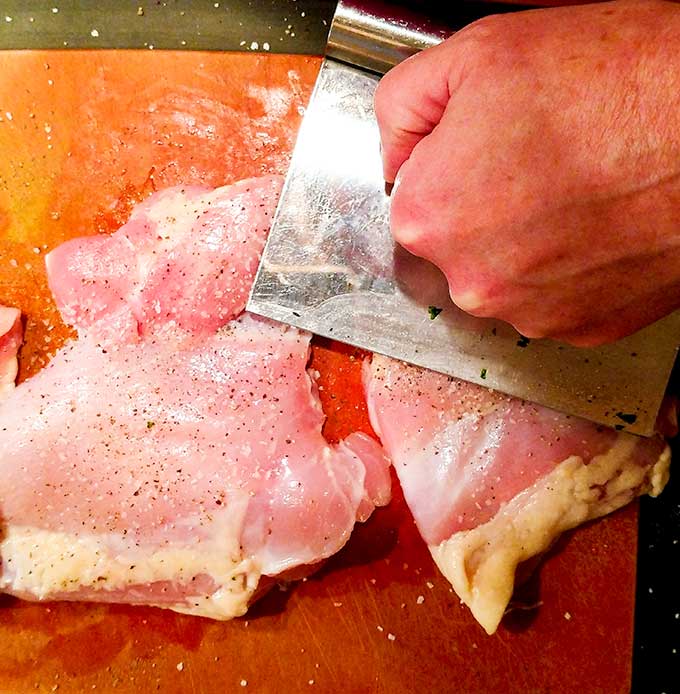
{"type": "Point", "coordinates": [330, 266]}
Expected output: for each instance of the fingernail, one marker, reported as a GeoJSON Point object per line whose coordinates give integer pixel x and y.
{"type": "Point", "coordinates": [397, 181]}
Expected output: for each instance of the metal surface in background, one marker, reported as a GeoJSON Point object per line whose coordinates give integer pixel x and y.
{"type": "Point", "coordinates": [330, 265]}
{"type": "Point", "coordinates": [283, 26]}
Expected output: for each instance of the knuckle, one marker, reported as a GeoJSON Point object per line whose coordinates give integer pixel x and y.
{"type": "Point", "coordinates": [414, 237]}
{"type": "Point", "coordinates": [487, 48]}
{"type": "Point", "coordinates": [481, 36]}
{"type": "Point", "coordinates": [385, 95]}
{"type": "Point", "coordinates": [483, 29]}
{"type": "Point", "coordinates": [476, 298]}
{"type": "Point", "coordinates": [531, 330]}
{"type": "Point", "coordinates": [410, 222]}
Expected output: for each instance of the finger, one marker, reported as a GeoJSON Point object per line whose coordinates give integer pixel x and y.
{"type": "Point", "coordinates": [613, 327]}
{"type": "Point", "coordinates": [425, 211]}
{"type": "Point", "coordinates": [409, 102]}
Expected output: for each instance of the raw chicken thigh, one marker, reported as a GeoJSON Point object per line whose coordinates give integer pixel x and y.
{"type": "Point", "coordinates": [492, 481]}
{"type": "Point", "coordinates": [173, 455]}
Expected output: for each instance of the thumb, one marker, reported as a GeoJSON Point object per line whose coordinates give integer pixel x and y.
{"type": "Point", "coordinates": [409, 102]}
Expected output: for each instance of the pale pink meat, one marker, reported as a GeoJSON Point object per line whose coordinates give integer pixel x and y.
{"type": "Point", "coordinates": [177, 462]}
{"type": "Point", "coordinates": [485, 470]}
{"type": "Point", "coordinates": [151, 441]}
{"type": "Point", "coordinates": [11, 335]}
{"type": "Point", "coordinates": [186, 258]}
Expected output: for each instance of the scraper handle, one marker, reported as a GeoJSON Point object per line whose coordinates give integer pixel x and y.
{"type": "Point", "coordinates": [376, 35]}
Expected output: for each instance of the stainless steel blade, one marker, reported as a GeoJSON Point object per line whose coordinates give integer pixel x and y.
{"type": "Point", "coordinates": [330, 266]}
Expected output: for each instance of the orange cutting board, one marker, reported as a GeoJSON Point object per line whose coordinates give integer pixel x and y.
{"type": "Point", "coordinates": [83, 136]}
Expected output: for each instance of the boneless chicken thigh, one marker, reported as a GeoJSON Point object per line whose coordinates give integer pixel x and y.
{"type": "Point", "coordinates": [173, 454]}
{"type": "Point", "coordinates": [492, 481]}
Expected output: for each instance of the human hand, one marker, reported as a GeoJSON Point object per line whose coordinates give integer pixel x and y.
{"type": "Point", "coordinates": [538, 160]}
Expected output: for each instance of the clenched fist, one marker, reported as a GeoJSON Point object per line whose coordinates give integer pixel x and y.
{"type": "Point", "coordinates": [537, 163]}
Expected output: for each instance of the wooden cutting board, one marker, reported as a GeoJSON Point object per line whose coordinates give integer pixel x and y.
{"type": "Point", "coordinates": [83, 136]}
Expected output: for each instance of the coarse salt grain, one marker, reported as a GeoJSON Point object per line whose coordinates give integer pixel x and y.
{"type": "Point", "coordinates": [430, 585]}
{"type": "Point", "coordinates": [244, 683]}
{"type": "Point", "coordinates": [180, 666]}
{"type": "Point", "coordinates": [254, 46]}
{"type": "Point", "coordinates": [420, 600]}
{"type": "Point", "coordinates": [567, 615]}
{"type": "Point", "coordinates": [94, 33]}
{"type": "Point", "coordinates": [391, 637]}
{"type": "Point", "coordinates": [8, 18]}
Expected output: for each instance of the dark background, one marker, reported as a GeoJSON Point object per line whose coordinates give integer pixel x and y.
{"type": "Point", "coordinates": [301, 26]}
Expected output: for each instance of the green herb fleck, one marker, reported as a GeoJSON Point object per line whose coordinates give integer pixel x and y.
{"type": "Point", "coordinates": [434, 311]}
{"type": "Point", "coordinates": [523, 341]}
{"type": "Point", "coordinates": [627, 418]}
{"type": "Point", "coordinates": [150, 424]}
{"type": "Point", "coordinates": [482, 374]}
